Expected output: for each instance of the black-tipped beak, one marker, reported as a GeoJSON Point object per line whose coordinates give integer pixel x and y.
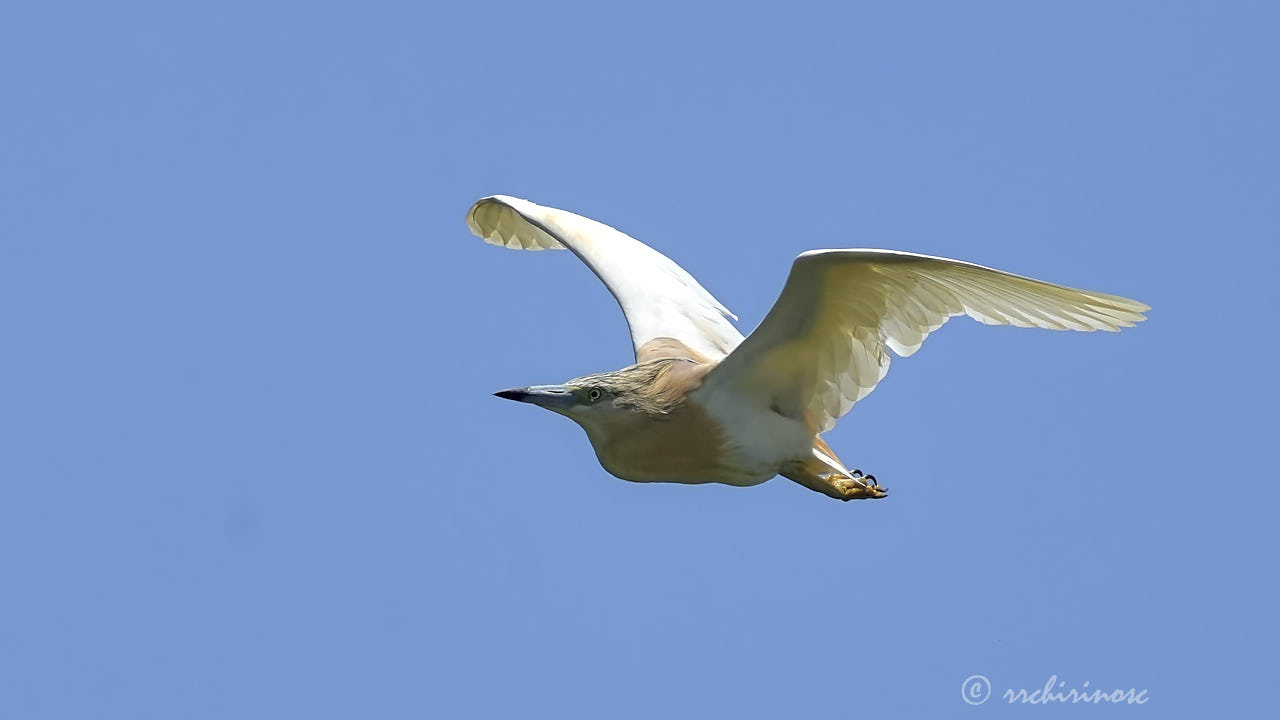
{"type": "Point", "coordinates": [518, 394]}
{"type": "Point", "coordinates": [551, 397]}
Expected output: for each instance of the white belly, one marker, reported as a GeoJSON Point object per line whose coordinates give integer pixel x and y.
{"type": "Point", "coordinates": [759, 441]}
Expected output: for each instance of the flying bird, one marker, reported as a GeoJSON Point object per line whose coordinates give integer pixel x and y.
{"type": "Point", "coordinates": [702, 404]}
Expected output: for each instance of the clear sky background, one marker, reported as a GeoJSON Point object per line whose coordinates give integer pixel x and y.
{"type": "Point", "coordinates": [251, 468]}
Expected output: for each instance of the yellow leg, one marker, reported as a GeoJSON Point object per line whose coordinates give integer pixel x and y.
{"type": "Point", "coordinates": [824, 473]}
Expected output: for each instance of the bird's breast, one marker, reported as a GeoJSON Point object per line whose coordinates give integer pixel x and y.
{"type": "Point", "coordinates": [686, 445]}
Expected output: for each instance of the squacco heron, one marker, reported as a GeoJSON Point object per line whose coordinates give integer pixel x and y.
{"type": "Point", "coordinates": [702, 404]}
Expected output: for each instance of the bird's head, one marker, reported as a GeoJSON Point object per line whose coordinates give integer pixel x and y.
{"type": "Point", "coordinates": [594, 400]}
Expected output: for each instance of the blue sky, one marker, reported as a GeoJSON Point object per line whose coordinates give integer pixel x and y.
{"type": "Point", "coordinates": [251, 466]}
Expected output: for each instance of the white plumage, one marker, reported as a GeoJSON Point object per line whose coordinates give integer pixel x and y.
{"type": "Point", "coordinates": [658, 298]}
{"type": "Point", "coordinates": [824, 345]}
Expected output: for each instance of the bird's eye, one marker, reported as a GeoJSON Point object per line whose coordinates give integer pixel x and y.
{"type": "Point", "coordinates": [594, 394]}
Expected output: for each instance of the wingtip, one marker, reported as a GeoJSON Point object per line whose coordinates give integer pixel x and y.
{"type": "Point", "coordinates": [487, 200]}
{"type": "Point", "coordinates": [1134, 311]}
{"type": "Point", "coordinates": [510, 222]}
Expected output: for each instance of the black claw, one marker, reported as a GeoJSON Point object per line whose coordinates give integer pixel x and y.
{"type": "Point", "coordinates": [872, 478]}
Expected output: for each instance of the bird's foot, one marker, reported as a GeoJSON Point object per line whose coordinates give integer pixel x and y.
{"type": "Point", "coordinates": [858, 487]}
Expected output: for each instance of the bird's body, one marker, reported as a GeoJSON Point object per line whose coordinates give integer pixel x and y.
{"type": "Point", "coordinates": [702, 404]}
{"type": "Point", "coordinates": [675, 441]}
{"type": "Point", "coordinates": [701, 437]}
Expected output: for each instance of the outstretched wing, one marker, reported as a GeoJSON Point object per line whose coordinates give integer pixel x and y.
{"type": "Point", "coordinates": [658, 298]}
{"type": "Point", "coordinates": [823, 346]}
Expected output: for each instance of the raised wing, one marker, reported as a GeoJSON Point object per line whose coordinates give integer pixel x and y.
{"type": "Point", "coordinates": [823, 346]}
{"type": "Point", "coordinates": [659, 299]}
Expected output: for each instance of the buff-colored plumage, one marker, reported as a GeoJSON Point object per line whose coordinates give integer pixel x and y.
{"type": "Point", "coordinates": [703, 404]}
